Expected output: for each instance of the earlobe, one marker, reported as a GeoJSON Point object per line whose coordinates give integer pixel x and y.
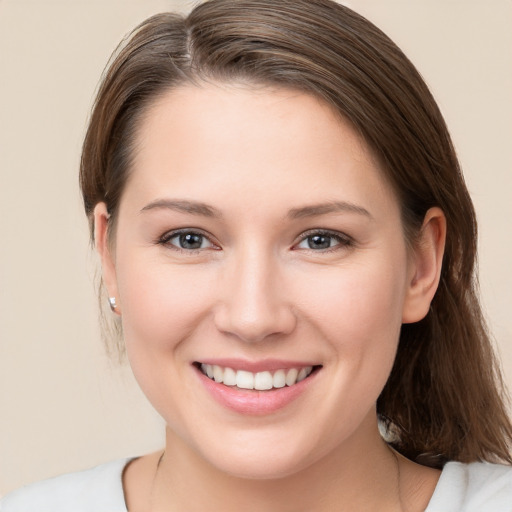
{"type": "Point", "coordinates": [425, 266]}
{"type": "Point", "coordinates": [101, 219]}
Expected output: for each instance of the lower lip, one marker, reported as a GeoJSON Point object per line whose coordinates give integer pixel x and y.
{"type": "Point", "coordinates": [254, 402]}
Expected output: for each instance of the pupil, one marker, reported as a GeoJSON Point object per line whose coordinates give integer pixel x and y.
{"type": "Point", "coordinates": [319, 242]}
{"type": "Point", "coordinates": [191, 241]}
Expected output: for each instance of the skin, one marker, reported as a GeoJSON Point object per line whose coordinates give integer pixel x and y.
{"type": "Point", "coordinates": [255, 289]}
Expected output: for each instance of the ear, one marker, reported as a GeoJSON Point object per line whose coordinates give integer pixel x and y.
{"type": "Point", "coordinates": [425, 266]}
{"type": "Point", "coordinates": [101, 218]}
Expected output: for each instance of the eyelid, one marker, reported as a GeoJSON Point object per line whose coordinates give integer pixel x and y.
{"type": "Point", "coordinates": [168, 235]}
{"type": "Point", "coordinates": [343, 239]}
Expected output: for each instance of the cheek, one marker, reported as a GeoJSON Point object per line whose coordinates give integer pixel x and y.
{"type": "Point", "coordinates": [162, 307]}
{"type": "Point", "coordinates": [352, 301]}
{"type": "Point", "coordinates": [161, 303]}
{"type": "Point", "coordinates": [358, 312]}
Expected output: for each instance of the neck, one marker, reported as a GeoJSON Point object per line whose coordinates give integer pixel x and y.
{"type": "Point", "coordinates": [361, 474]}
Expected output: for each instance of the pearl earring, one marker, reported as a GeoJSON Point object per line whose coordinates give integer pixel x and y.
{"type": "Point", "coordinates": [112, 303]}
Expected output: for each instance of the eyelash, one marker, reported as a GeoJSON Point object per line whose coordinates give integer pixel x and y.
{"type": "Point", "coordinates": [343, 241]}
{"type": "Point", "coordinates": [165, 240]}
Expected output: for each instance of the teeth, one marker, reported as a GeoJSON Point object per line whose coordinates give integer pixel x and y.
{"type": "Point", "coordinates": [218, 374]}
{"type": "Point", "coordinates": [263, 381]}
{"type": "Point", "coordinates": [301, 376]}
{"type": "Point", "coordinates": [279, 379]}
{"type": "Point", "coordinates": [229, 377]}
{"type": "Point", "coordinates": [244, 380]}
{"type": "Point", "coordinates": [291, 377]}
{"type": "Point", "coordinates": [260, 381]}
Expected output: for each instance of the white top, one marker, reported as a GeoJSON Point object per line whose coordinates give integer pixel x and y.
{"type": "Point", "coordinates": [475, 487]}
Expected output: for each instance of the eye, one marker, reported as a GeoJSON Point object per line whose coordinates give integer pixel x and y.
{"type": "Point", "coordinates": [186, 240]}
{"type": "Point", "coordinates": [323, 240]}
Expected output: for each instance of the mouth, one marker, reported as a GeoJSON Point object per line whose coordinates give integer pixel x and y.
{"type": "Point", "coordinates": [258, 381]}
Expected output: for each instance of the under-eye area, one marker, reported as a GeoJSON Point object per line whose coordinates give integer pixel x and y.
{"type": "Point", "coordinates": [259, 381]}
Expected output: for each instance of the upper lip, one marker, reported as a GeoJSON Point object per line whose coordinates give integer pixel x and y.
{"type": "Point", "coordinates": [256, 366]}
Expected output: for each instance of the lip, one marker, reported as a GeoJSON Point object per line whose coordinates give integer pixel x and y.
{"type": "Point", "coordinates": [253, 402]}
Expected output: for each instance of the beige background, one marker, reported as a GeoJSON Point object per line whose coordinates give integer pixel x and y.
{"type": "Point", "coordinates": [63, 405]}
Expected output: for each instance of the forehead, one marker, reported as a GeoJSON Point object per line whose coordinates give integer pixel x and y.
{"type": "Point", "coordinates": [246, 114]}
{"type": "Point", "coordinates": [194, 137]}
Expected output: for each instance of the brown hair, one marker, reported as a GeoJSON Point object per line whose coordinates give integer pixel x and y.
{"type": "Point", "coordinates": [444, 397]}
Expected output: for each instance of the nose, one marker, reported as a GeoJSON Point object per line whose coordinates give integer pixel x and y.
{"type": "Point", "coordinates": [254, 305]}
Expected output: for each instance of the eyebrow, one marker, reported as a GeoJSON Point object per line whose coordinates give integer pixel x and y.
{"type": "Point", "coordinates": [205, 210]}
{"type": "Point", "coordinates": [192, 207]}
{"type": "Point", "coordinates": [330, 207]}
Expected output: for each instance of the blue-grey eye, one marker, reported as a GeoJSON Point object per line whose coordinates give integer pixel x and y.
{"type": "Point", "coordinates": [189, 241]}
{"type": "Point", "coordinates": [322, 241]}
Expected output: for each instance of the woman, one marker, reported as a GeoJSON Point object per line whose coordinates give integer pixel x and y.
{"type": "Point", "coordinates": [288, 244]}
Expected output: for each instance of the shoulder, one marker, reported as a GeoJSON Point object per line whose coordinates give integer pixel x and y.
{"type": "Point", "coordinates": [475, 487]}
{"type": "Point", "coordinates": [98, 489]}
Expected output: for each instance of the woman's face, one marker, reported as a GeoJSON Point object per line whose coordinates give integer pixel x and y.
{"type": "Point", "coordinates": [256, 235]}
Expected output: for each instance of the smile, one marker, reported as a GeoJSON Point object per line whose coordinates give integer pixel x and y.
{"type": "Point", "coordinates": [256, 388]}
{"type": "Point", "coordinates": [260, 381]}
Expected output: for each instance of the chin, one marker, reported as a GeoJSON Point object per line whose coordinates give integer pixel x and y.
{"type": "Point", "coordinates": [262, 459]}
{"type": "Point", "coordinates": [269, 468]}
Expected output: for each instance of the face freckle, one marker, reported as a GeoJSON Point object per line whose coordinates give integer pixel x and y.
{"type": "Point", "coordinates": [257, 232]}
